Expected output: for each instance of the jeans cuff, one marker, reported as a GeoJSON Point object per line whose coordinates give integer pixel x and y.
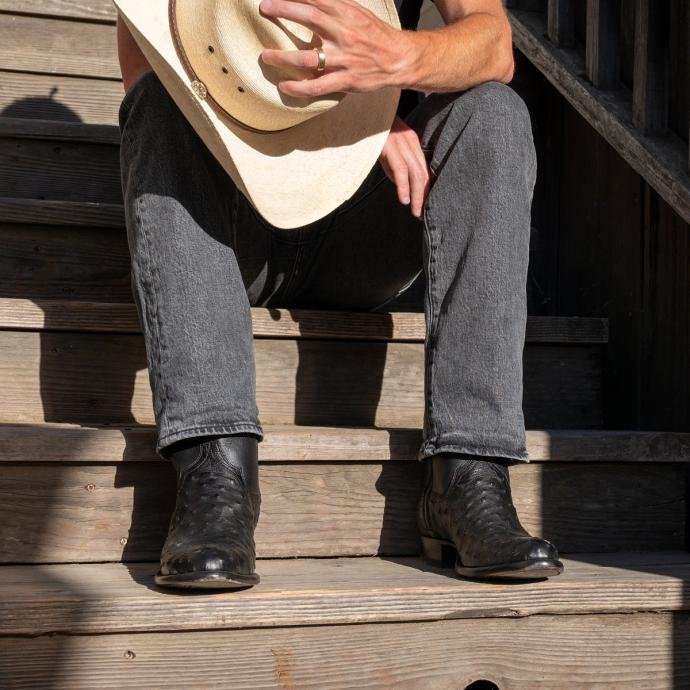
{"type": "Point", "coordinates": [441, 445]}
{"type": "Point", "coordinates": [214, 429]}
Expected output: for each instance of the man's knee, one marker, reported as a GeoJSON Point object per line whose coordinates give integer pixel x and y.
{"type": "Point", "coordinates": [490, 126]}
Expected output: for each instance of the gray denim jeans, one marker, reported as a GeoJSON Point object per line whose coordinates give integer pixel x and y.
{"type": "Point", "coordinates": [201, 255]}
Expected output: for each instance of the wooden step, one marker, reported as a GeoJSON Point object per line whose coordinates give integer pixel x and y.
{"type": "Point", "coordinates": [350, 623]}
{"type": "Point", "coordinates": [101, 494]}
{"type": "Point", "coordinates": [59, 98]}
{"type": "Point", "coordinates": [95, 378]}
{"type": "Point", "coordinates": [105, 317]}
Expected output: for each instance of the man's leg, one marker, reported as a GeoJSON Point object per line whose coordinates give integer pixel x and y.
{"type": "Point", "coordinates": [193, 246]}
{"type": "Point", "coordinates": [186, 280]}
{"type": "Point", "coordinates": [474, 249]}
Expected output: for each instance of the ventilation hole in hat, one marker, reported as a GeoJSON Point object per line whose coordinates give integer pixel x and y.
{"type": "Point", "coordinates": [211, 49]}
{"type": "Point", "coordinates": [240, 89]}
{"type": "Point", "coordinates": [225, 70]}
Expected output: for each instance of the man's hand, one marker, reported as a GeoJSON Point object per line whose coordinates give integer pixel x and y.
{"type": "Point", "coordinates": [403, 160]}
{"type": "Point", "coordinates": [362, 52]}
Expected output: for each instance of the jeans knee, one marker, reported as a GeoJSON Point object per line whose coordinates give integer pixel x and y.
{"type": "Point", "coordinates": [493, 121]}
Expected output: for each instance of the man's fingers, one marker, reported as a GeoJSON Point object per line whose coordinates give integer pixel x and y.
{"type": "Point", "coordinates": [304, 59]}
{"type": "Point", "coordinates": [305, 14]}
{"type": "Point", "coordinates": [330, 82]}
{"type": "Point", "coordinates": [396, 169]}
{"type": "Point", "coordinates": [417, 172]}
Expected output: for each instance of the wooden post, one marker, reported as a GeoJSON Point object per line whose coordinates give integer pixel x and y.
{"type": "Point", "coordinates": [650, 78]}
{"type": "Point", "coordinates": [603, 40]}
{"type": "Point", "coordinates": [561, 23]}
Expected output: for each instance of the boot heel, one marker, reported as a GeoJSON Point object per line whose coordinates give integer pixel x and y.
{"type": "Point", "coordinates": [438, 552]}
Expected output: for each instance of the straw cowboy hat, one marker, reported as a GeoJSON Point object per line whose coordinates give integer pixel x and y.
{"type": "Point", "coordinates": [295, 159]}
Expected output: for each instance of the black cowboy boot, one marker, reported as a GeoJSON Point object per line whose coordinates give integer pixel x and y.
{"type": "Point", "coordinates": [466, 518]}
{"type": "Point", "coordinates": [210, 541]}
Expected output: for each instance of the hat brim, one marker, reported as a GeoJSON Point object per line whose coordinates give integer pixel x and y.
{"type": "Point", "coordinates": [292, 177]}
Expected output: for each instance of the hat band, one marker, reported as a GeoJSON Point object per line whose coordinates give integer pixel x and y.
{"type": "Point", "coordinates": [197, 85]}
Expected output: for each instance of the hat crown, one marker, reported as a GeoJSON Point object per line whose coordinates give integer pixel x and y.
{"type": "Point", "coordinates": [221, 42]}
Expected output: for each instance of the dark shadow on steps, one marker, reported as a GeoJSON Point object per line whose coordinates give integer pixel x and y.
{"type": "Point", "coordinates": [81, 378]}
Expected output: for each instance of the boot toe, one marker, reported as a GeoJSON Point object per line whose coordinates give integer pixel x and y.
{"type": "Point", "coordinates": [541, 549]}
{"type": "Point", "coordinates": [208, 559]}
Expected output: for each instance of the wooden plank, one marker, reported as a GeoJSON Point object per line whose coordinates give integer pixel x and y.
{"type": "Point", "coordinates": [54, 46]}
{"type": "Point", "coordinates": [63, 213]}
{"type": "Point", "coordinates": [117, 598]}
{"type": "Point", "coordinates": [67, 171]}
{"type": "Point", "coordinates": [91, 378]}
{"type": "Point", "coordinates": [662, 162]}
{"type": "Point", "coordinates": [99, 317]}
{"type": "Point", "coordinates": [94, 10]}
{"type": "Point", "coordinates": [602, 651]}
{"type": "Point", "coordinates": [121, 511]}
{"type": "Point", "coordinates": [57, 98]}
{"type": "Point", "coordinates": [73, 263]}
{"type": "Point", "coordinates": [650, 87]}
{"type": "Point", "coordinates": [603, 43]}
{"type": "Point", "coordinates": [561, 23]}
{"type": "Point", "coordinates": [77, 443]}
{"type": "Point", "coordinates": [55, 130]}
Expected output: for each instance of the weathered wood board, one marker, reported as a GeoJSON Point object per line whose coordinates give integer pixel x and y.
{"type": "Point", "coordinates": [74, 512]}
{"type": "Point", "coordinates": [647, 651]}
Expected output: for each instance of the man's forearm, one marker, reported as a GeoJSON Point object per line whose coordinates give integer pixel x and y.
{"type": "Point", "coordinates": [456, 57]}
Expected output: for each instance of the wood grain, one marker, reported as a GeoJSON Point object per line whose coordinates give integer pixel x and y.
{"type": "Point", "coordinates": [55, 130]}
{"type": "Point", "coordinates": [52, 513]}
{"type": "Point", "coordinates": [602, 43]}
{"type": "Point", "coordinates": [93, 598]}
{"type": "Point", "coordinates": [64, 171]}
{"type": "Point", "coordinates": [650, 80]}
{"type": "Point", "coordinates": [662, 161]}
{"type": "Point", "coordinates": [561, 23]}
{"type": "Point", "coordinates": [95, 10]}
{"type": "Point", "coordinates": [73, 315]}
{"type": "Point", "coordinates": [74, 443]}
{"type": "Point", "coordinates": [59, 98]}
{"type": "Point", "coordinates": [646, 650]}
{"type": "Point", "coordinates": [91, 378]}
{"type": "Point", "coordinates": [43, 261]}
{"type": "Point", "coordinates": [61, 213]}
{"type": "Point", "coordinates": [54, 46]}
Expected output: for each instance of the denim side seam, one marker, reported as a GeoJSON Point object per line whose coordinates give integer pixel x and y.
{"type": "Point", "coordinates": [429, 344]}
{"type": "Point", "coordinates": [189, 432]}
{"type": "Point", "coordinates": [154, 317]}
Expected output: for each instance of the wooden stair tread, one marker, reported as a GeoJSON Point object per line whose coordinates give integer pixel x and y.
{"type": "Point", "coordinates": [107, 444]}
{"type": "Point", "coordinates": [87, 214]}
{"type": "Point", "coordinates": [104, 317]}
{"type": "Point", "coordinates": [111, 597]}
{"type": "Point", "coordinates": [92, 10]}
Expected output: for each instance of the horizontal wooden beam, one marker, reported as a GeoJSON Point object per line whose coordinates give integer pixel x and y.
{"type": "Point", "coordinates": [104, 317]}
{"type": "Point", "coordinates": [62, 213]}
{"type": "Point", "coordinates": [87, 10]}
{"type": "Point", "coordinates": [55, 130]}
{"type": "Point", "coordinates": [109, 444]}
{"type": "Point", "coordinates": [108, 597]}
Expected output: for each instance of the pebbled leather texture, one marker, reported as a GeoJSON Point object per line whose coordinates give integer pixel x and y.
{"type": "Point", "coordinates": [468, 502]}
{"type": "Point", "coordinates": [211, 530]}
